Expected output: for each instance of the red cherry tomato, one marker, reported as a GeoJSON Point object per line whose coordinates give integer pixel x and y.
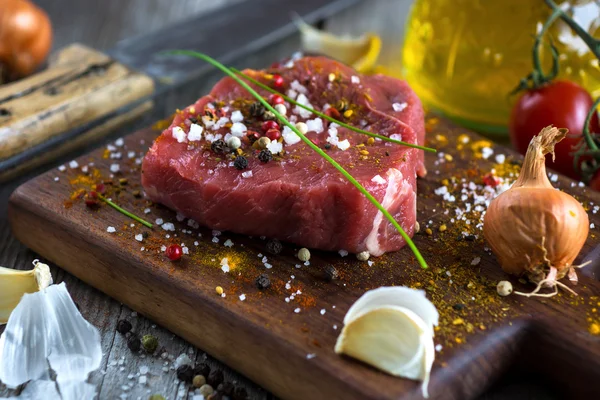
{"type": "Point", "coordinates": [563, 104]}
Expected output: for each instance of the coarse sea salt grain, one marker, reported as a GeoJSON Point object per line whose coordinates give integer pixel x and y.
{"type": "Point", "coordinates": [73, 164]}
{"type": "Point", "coordinates": [399, 106]}
{"type": "Point", "coordinates": [289, 136]}
{"type": "Point", "coordinates": [62, 168]}
{"type": "Point", "coordinates": [237, 116]}
{"type": "Point", "coordinates": [476, 261]}
{"type": "Point", "coordinates": [500, 158]}
{"type": "Point", "coordinates": [323, 311]}
{"type": "Point", "coordinates": [195, 133]}
{"type": "Point", "coordinates": [297, 310]}
{"type": "Point", "coordinates": [159, 221]}
{"type": "Point", "coordinates": [303, 100]}
{"type": "Point", "coordinates": [247, 174]}
{"type": "Point", "coordinates": [238, 129]}
{"type": "Point", "coordinates": [228, 243]}
{"type": "Point", "coordinates": [114, 168]}
{"type": "Point", "coordinates": [343, 253]}
{"type": "Point", "coordinates": [298, 87]}
{"type": "Point", "coordinates": [242, 297]}
{"type": "Point", "coordinates": [310, 356]}
{"type": "Point", "coordinates": [168, 226]}
{"type": "Point", "coordinates": [486, 152]}
{"type": "Point", "coordinates": [179, 134]}
{"type": "Point", "coordinates": [355, 79]}
{"type": "Point", "coordinates": [315, 125]}
{"type": "Point", "coordinates": [119, 142]}
{"type": "Point", "coordinates": [56, 179]}
{"type": "Point", "coordinates": [111, 229]}
{"type": "Point", "coordinates": [139, 237]}
{"type": "Point", "coordinates": [343, 145]}
{"type": "Point", "coordinates": [378, 179]}
{"type": "Point", "coordinates": [275, 147]}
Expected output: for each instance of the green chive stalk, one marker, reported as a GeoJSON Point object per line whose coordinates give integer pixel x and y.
{"type": "Point", "coordinates": [330, 119]}
{"type": "Point", "coordinates": [337, 166]}
{"type": "Point", "coordinates": [125, 212]}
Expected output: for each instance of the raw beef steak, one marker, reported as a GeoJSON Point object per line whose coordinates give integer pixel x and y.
{"type": "Point", "coordinates": [296, 196]}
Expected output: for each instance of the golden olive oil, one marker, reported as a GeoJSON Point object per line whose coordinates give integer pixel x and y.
{"type": "Point", "coordinates": [464, 57]}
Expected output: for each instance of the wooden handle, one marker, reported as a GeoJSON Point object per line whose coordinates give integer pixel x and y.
{"type": "Point", "coordinates": [79, 86]}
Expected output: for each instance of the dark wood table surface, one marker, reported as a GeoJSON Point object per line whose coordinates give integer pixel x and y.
{"type": "Point", "coordinates": [102, 23]}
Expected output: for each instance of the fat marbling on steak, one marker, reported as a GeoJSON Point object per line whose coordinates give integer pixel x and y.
{"type": "Point", "coordinates": [298, 196]}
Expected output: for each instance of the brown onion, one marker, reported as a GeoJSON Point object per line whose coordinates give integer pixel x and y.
{"type": "Point", "coordinates": [25, 37]}
{"type": "Point", "coordinates": [532, 228]}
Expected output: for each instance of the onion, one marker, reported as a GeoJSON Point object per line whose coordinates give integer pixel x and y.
{"type": "Point", "coordinates": [532, 228]}
{"type": "Point", "coordinates": [25, 37]}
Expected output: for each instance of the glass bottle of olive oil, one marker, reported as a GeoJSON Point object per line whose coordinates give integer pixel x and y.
{"type": "Point", "coordinates": [464, 57]}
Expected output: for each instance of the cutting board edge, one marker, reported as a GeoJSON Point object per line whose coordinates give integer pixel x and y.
{"type": "Point", "coordinates": [23, 210]}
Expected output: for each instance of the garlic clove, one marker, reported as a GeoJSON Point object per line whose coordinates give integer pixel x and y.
{"type": "Point", "coordinates": [391, 338]}
{"type": "Point", "coordinates": [359, 52]}
{"type": "Point", "coordinates": [400, 296]}
{"type": "Point", "coordinates": [15, 283]}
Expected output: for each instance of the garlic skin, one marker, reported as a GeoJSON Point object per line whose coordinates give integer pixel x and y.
{"type": "Point", "coordinates": [533, 227]}
{"type": "Point", "coordinates": [15, 283]}
{"type": "Point", "coordinates": [391, 328]}
{"type": "Point", "coordinates": [47, 331]}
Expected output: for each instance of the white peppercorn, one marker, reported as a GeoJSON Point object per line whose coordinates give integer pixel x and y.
{"type": "Point", "coordinates": [303, 254]}
{"type": "Point", "coordinates": [504, 288]}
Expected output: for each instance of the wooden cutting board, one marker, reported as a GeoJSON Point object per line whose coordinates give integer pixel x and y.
{"type": "Point", "coordinates": [284, 342]}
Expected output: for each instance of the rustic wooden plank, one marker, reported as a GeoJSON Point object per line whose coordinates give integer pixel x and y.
{"type": "Point", "coordinates": [264, 330]}
{"type": "Point", "coordinates": [80, 85]}
{"type": "Point", "coordinates": [84, 139]}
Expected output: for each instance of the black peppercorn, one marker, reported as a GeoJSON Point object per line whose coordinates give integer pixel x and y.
{"type": "Point", "coordinates": [123, 326]}
{"type": "Point", "coordinates": [185, 373]}
{"type": "Point", "coordinates": [240, 393]}
{"type": "Point", "coordinates": [219, 146]}
{"type": "Point", "coordinates": [134, 343]}
{"type": "Point", "coordinates": [226, 388]}
{"type": "Point", "coordinates": [240, 162]}
{"type": "Point", "coordinates": [263, 281]}
{"type": "Point", "coordinates": [327, 146]}
{"type": "Point", "coordinates": [193, 120]}
{"type": "Point", "coordinates": [470, 238]}
{"type": "Point", "coordinates": [202, 369]}
{"type": "Point", "coordinates": [458, 306]}
{"type": "Point", "coordinates": [265, 155]}
{"type": "Point", "coordinates": [145, 234]}
{"type": "Point", "coordinates": [137, 193]}
{"type": "Point", "coordinates": [331, 273]}
{"type": "Point", "coordinates": [215, 378]}
{"type": "Point", "coordinates": [257, 109]}
{"type": "Point", "coordinates": [274, 246]}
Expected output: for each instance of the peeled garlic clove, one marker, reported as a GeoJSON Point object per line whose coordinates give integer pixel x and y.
{"type": "Point", "coordinates": [15, 283]}
{"type": "Point", "coordinates": [400, 296]}
{"type": "Point", "coordinates": [359, 52]}
{"type": "Point", "coordinates": [391, 338]}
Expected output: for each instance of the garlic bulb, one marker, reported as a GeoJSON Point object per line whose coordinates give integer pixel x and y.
{"type": "Point", "coordinates": [532, 228]}
{"type": "Point", "coordinates": [359, 52]}
{"type": "Point", "coordinates": [391, 328]}
{"type": "Point", "coordinates": [15, 283]}
{"type": "Point", "coordinates": [46, 331]}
